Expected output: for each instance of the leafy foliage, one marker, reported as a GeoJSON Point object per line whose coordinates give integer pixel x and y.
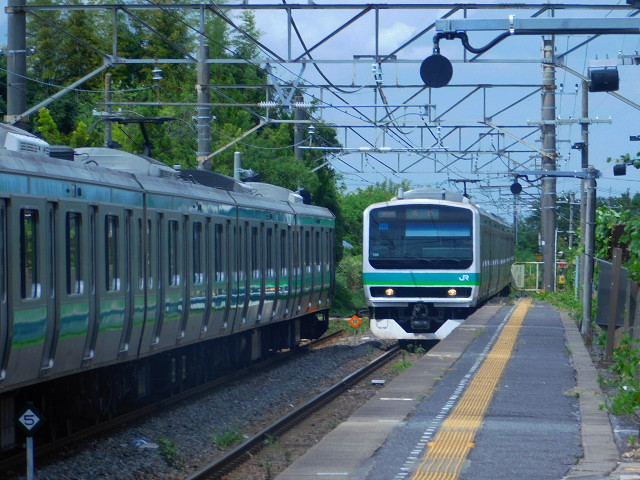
{"type": "Point", "coordinates": [353, 205]}
{"type": "Point", "coordinates": [349, 293]}
{"type": "Point", "coordinates": [62, 58]}
{"type": "Point", "coordinates": [625, 366]}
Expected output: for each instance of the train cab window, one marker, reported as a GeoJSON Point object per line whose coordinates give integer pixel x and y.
{"type": "Point", "coordinates": [217, 260]}
{"type": "Point", "coordinates": [269, 260]}
{"type": "Point", "coordinates": [197, 263]}
{"type": "Point", "coordinates": [421, 236]}
{"type": "Point", "coordinates": [29, 269]}
{"type": "Point", "coordinates": [111, 249]}
{"type": "Point", "coordinates": [255, 253]}
{"type": "Point", "coordinates": [174, 272]}
{"type": "Point", "coordinates": [75, 282]}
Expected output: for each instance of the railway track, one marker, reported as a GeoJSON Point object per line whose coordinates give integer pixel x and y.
{"type": "Point", "coordinates": [17, 461]}
{"type": "Point", "coordinates": [242, 453]}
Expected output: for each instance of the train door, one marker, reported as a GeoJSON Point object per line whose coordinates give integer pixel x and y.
{"type": "Point", "coordinates": [316, 266]}
{"type": "Point", "coordinates": [92, 330]}
{"type": "Point", "coordinates": [127, 276]}
{"type": "Point", "coordinates": [241, 282]}
{"type": "Point", "coordinates": [171, 257]}
{"type": "Point", "coordinates": [327, 267]}
{"type": "Point", "coordinates": [286, 269]}
{"type": "Point", "coordinates": [110, 282]}
{"type": "Point", "coordinates": [221, 293]}
{"type": "Point", "coordinates": [151, 281]}
{"type": "Point", "coordinates": [196, 279]}
{"type": "Point", "coordinates": [136, 311]}
{"type": "Point", "coordinates": [49, 287]}
{"type": "Point", "coordinates": [210, 275]}
{"type": "Point", "coordinates": [4, 314]}
{"type": "Point", "coordinates": [268, 298]}
{"type": "Point", "coordinates": [254, 274]}
{"type": "Point", "coordinates": [28, 322]}
{"type": "Point", "coordinates": [72, 294]}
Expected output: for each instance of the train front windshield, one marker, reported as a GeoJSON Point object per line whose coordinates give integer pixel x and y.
{"type": "Point", "coordinates": [420, 237]}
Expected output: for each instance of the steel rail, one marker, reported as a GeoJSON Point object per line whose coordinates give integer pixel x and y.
{"type": "Point", "coordinates": [16, 461]}
{"type": "Point", "coordinates": [230, 461]}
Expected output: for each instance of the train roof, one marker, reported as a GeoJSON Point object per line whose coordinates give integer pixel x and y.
{"type": "Point", "coordinates": [431, 194]}
{"type": "Point", "coordinates": [123, 162]}
{"type": "Point", "coordinates": [436, 194]}
{"type": "Point", "coordinates": [128, 170]}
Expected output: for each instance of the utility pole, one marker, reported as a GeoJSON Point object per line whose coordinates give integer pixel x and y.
{"type": "Point", "coordinates": [572, 197]}
{"type": "Point", "coordinates": [204, 97]}
{"type": "Point", "coordinates": [589, 250]}
{"type": "Point", "coordinates": [108, 138]}
{"type": "Point", "coordinates": [16, 60]}
{"type": "Point", "coordinates": [584, 158]}
{"type": "Point", "coordinates": [548, 200]}
{"type": "Point", "coordinates": [298, 135]}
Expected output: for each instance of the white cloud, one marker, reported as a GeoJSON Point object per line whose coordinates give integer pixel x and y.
{"type": "Point", "coordinates": [392, 37]}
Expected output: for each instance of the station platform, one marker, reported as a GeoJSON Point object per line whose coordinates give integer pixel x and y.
{"type": "Point", "coordinates": [512, 393]}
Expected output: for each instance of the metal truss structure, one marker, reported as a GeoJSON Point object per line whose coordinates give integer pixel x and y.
{"type": "Point", "coordinates": [352, 77]}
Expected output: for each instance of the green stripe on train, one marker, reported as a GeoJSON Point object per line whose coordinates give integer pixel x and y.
{"type": "Point", "coordinates": [419, 278]}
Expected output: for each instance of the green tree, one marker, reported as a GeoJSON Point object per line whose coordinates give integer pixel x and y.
{"type": "Point", "coordinates": [354, 203]}
{"type": "Point", "coordinates": [528, 228]}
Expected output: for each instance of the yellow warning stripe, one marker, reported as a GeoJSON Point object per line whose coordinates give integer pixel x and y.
{"type": "Point", "coordinates": [451, 444]}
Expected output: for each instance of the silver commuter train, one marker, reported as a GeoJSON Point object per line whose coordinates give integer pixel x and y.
{"type": "Point", "coordinates": [428, 257]}
{"type": "Point", "coordinates": [109, 260]}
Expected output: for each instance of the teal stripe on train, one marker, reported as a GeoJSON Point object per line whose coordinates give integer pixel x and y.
{"type": "Point", "coordinates": [420, 278]}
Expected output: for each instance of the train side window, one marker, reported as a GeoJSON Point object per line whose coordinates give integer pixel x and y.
{"type": "Point", "coordinates": [255, 266]}
{"type": "Point", "coordinates": [296, 253]}
{"type": "Point", "coordinates": [217, 261]}
{"type": "Point", "coordinates": [75, 282]}
{"type": "Point", "coordinates": [198, 264]}
{"type": "Point", "coordinates": [112, 227]}
{"type": "Point", "coordinates": [283, 253]}
{"type": "Point", "coordinates": [329, 244]}
{"type": "Point", "coordinates": [269, 260]}
{"type": "Point", "coordinates": [307, 252]}
{"type": "Point", "coordinates": [317, 249]}
{"type": "Point", "coordinates": [149, 255]}
{"type": "Point", "coordinates": [30, 276]}
{"type": "Point", "coordinates": [138, 248]}
{"type": "Point", "coordinates": [174, 272]}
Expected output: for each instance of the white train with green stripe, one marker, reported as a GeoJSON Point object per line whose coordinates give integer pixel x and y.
{"type": "Point", "coordinates": [429, 258]}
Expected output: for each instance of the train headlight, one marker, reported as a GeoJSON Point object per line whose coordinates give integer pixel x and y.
{"type": "Point", "coordinates": [389, 292]}
{"type": "Point", "coordinates": [452, 292]}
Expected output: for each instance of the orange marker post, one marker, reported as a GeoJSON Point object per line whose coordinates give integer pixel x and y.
{"type": "Point", "coordinates": [355, 321]}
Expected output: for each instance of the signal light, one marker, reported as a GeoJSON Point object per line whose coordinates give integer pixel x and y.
{"type": "Point", "coordinates": [516, 188]}
{"type": "Point", "coordinates": [604, 80]}
{"type": "Point", "coordinates": [620, 169]}
{"type": "Point", "coordinates": [436, 71]}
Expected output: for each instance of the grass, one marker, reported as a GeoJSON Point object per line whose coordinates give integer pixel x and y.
{"type": "Point", "coordinates": [169, 451]}
{"type": "Point", "coordinates": [227, 438]}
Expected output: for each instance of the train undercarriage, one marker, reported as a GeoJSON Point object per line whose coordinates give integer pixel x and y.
{"type": "Point", "coordinates": [76, 402]}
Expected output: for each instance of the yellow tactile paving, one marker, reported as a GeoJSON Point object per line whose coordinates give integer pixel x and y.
{"type": "Point", "coordinates": [446, 453]}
